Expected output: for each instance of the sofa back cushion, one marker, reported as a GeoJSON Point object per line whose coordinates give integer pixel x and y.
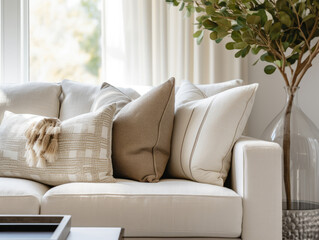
{"type": "Point", "coordinates": [76, 98]}
{"type": "Point", "coordinates": [142, 135]}
{"type": "Point", "coordinates": [34, 98]}
{"type": "Point", "coordinates": [204, 133]}
{"type": "Point", "coordinates": [84, 149]}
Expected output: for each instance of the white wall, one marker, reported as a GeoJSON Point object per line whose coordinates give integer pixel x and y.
{"type": "Point", "coordinates": [270, 97]}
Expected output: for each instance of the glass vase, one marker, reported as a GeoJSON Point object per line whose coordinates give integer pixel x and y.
{"type": "Point", "coordinates": [299, 137]}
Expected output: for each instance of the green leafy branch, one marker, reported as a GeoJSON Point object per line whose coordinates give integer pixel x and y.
{"type": "Point", "coordinates": [286, 31]}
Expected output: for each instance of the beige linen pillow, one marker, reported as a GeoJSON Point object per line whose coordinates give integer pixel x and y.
{"type": "Point", "coordinates": [204, 133]}
{"type": "Point", "coordinates": [189, 92]}
{"type": "Point", "coordinates": [142, 135]}
{"type": "Point", "coordinates": [34, 98]}
{"type": "Point", "coordinates": [84, 151]}
{"type": "Point", "coordinates": [77, 98]}
{"type": "Point", "coordinates": [109, 94]}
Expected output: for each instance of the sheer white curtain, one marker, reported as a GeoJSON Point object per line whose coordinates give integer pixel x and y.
{"type": "Point", "coordinates": [148, 41]}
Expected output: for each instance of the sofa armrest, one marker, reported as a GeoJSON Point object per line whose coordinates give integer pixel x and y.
{"type": "Point", "coordinates": [256, 176]}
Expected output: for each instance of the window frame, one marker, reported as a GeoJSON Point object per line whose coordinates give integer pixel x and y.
{"type": "Point", "coordinates": [14, 42]}
{"type": "Point", "coordinates": [13, 47]}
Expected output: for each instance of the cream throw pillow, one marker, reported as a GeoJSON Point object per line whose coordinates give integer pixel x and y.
{"type": "Point", "coordinates": [205, 132]}
{"type": "Point", "coordinates": [84, 151]}
{"type": "Point", "coordinates": [189, 92]}
{"type": "Point", "coordinates": [108, 95]}
{"type": "Point", "coordinates": [76, 98]}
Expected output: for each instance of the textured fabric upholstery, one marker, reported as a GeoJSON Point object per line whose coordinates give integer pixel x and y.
{"type": "Point", "coordinates": [142, 133]}
{"type": "Point", "coordinates": [256, 177]}
{"type": "Point", "coordinates": [20, 196]}
{"type": "Point", "coordinates": [77, 160]}
{"type": "Point", "coordinates": [205, 131]}
{"type": "Point", "coordinates": [169, 208]}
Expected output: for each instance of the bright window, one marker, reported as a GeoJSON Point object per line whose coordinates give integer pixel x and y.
{"type": "Point", "coordinates": [65, 40]}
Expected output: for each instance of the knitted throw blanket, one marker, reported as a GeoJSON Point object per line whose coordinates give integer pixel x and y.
{"type": "Point", "coordinates": [42, 142]}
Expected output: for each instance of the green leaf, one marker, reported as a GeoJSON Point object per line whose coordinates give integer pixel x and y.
{"type": "Point", "coordinates": [267, 58]}
{"type": "Point", "coordinates": [236, 36]}
{"type": "Point", "coordinates": [256, 62]}
{"type": "Point", "coordinates": [189, 10]}
{"type": "Point", "coordinates": [245, 51]}
{"type": "Point", "coordinates": [213, 35]}
{"type": "Point", "coordinates": [222, 4]}
{"type": "Point", "coordinates": [263, 16]}
{"type": "Point", "coordinates": [197, 34]}
{"type": "Point", "coordinates": [224, 23]}
{"type": "Point", "coordinates": [285, 45]}
{"type": "Point", "coordinates": [221, 33]}
{"type": "Point", "coordinates": [269, 69]}
{"type": "Point", "coordinates": [199, 9]}
{"type": "Point", "coordinates": [218, 40]}
{"type": "Point", "coordinates": [253, 19]}
{"type": "Point", "coordinates": [278, 63]}
{"type": "Point", "coordinates": [285, 19]}
{"type": "Point", "coordinates": [210, 10]}
{"type": "Point", "coordinates": [275, 31]}
{"type": "Point", "coordinates": [310, 16]}
{"type": "Point", "coordinates": [248, 37]}
{"type": "Point", "coordinates": [182, 6]}
{"type": "Point", "coordinates": [208, 24]}
{"type": "Point", "coordinates": [241, 21]}
{"type": "Point", "coordinates": [200, 38]}
{"type": "Point", "coordinates": [293, 58]}
{"type": "Point", "coordinates": [281, 4]}
{"type": "Point", "coordinates": [238, 54]}
{"type": "Point", "coordinates": [236, 27]}
{"type": "Point", "coordinates": [230, 46]}
{"type": "Point", "coordinates": [267, 26]}
{"type": "Point", "coordinates": [255, 50]}
{"type": "Point", "coordinates": [301, 8]}
{"type": "Point", "coordinates": [240, 45]}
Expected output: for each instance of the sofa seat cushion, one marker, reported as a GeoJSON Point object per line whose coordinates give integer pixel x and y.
{"type": "Point", "coordinates": [20, 196]}
{"type": "Point", "coordinates": [169, 208]}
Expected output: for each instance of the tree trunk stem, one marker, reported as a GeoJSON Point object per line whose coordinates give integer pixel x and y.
{"type": "Point", "coordinates": [286, 148]}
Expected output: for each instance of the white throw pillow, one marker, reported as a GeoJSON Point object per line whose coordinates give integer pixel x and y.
{"type": "Point", "coordinates": [34, 98]}
{"type": "Point", "coordinates": [204, 133]}
{"type": "Point", "coordinates": [77, 98]}
{"type": "Point", "coordinates": [130, 92]}
{"type": "Point", "coordinates": [214, 88]}
{"type": "Point", "coordinates": [84, 149]}
{"type": "Point", "coordinates": [188, 92]}
{"type": "Point", "coordinates": [108, 95]}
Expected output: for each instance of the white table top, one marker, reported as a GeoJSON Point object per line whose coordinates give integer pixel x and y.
{"type": "Point", "coordinates": [88, 233]}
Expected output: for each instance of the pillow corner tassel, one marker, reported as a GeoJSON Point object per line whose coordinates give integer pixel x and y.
{"type": "Point", "coordinates": [44, 147]}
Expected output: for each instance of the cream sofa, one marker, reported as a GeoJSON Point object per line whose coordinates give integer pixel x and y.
{"type": "Point", "coordinates": [249, 208]}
